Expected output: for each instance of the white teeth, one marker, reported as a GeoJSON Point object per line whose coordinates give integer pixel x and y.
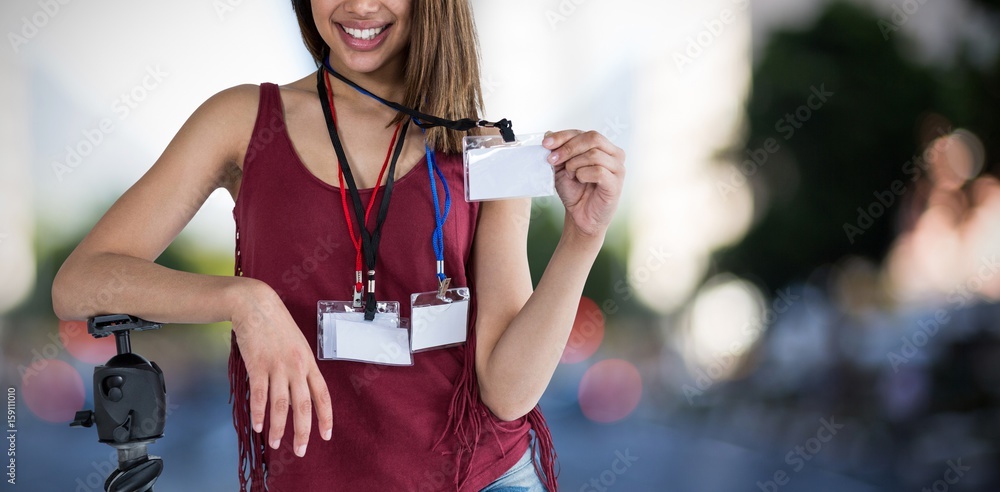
{"type": "Point", "coordinates": [365, 34]}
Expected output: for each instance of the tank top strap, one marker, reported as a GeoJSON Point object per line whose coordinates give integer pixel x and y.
{"type": "Point", "coordinates": [270, 100]}
{"type": "Point", "coordinates": [270, 124]}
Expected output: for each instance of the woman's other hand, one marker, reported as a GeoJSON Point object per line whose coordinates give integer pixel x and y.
{"type": "Point", "coordinates": [589, 174]}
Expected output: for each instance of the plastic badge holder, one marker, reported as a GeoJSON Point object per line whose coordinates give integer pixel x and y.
{"type": "Point", "coordinates": [381, 341]}
{"type": "Point", "coordinates": [439, 321]}
{"type": "Point", "coordinates": [496, 170]}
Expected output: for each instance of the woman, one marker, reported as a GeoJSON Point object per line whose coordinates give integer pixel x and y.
{"type": "Point", "coordinates": [461, 417]}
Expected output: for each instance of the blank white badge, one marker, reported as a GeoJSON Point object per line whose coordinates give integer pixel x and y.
{"type": "Point", "coordinates": [498, 170]}
{"type": "Point", "coordinates": [372, 342]}
{"type": "Point", "coordinates": [439, 325]}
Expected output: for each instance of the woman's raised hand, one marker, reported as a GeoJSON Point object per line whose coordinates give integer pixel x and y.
{"type": "Point", "coordinates": [281, 366]}
{"type": "Point", "coordinates": [589, 174]}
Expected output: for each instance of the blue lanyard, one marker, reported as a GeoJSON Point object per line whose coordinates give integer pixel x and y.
{"type": "Point", "coordinates": [439, 217]}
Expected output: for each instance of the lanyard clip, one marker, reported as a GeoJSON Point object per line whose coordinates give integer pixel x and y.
{"type": "Point", "coordinates": [443, 289]}
{"type": "Point", "coordinates": [505, 126]}
{"type": "Point", "coordinates": [358, 288]}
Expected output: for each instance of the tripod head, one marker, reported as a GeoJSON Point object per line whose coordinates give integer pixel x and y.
{"type": "Point", "coordinates": [129, 405]}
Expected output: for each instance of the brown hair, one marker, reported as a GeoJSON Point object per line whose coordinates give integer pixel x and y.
{"type": "Point", "coordinates": [442, 72]}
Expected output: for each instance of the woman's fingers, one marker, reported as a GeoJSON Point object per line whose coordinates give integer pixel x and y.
{"type": "Point", "coordinates": [298, 395]}
{"type": "Point", "coordinates": [290, 383]}
{"type": "Point", "coordinates": [279, 408]}
{"type": "Point", "coordinates": [554, 140]}
{"type": "Point", "coordinates": [324, 407]}
{"type": "Point", "coordinates": [567, 144]}
{"type": "Point", "coordinates": [258, 399]}
{"type": "Point", "coordinates": [302, 416]}
{"type": "Point", "coordinates": [598, 175]}
{"type": "Point", "coordinates": [594, 157]}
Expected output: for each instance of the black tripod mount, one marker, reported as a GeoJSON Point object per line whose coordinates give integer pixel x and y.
{"type": "Point", "coordinates": [129, 405]}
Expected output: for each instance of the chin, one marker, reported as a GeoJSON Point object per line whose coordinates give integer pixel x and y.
{"type": "Point", "coordinates": [361, 62]}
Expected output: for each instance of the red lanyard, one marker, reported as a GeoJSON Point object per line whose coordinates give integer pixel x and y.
{"type": "Point", "coordinates": [356, 238]}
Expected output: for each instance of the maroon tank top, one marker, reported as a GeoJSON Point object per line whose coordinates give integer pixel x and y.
{"type": "Point", "coordinates": [419, 428]}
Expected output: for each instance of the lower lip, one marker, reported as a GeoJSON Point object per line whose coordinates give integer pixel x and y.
{"type": "Point", "coordinates": [363, 44]}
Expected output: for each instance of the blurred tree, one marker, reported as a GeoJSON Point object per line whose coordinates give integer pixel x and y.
{"type": "Point", "coordinates": [180, 255]}
{"type": "Point", "coordinates": [607, 282]}
{"type": "Point", "coordinates": [832, 160]}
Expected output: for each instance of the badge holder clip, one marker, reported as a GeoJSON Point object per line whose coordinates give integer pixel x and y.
{"type": "Point", "coordinates": [343, 334]}
{"type": "Point", "coordinates": [439, 319]}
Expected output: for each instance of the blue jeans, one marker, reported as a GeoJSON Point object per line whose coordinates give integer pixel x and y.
{"type": "Point", "coordinates": [519, 478]}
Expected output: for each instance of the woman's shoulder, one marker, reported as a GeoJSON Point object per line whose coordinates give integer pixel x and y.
{"type": "Point", "coordinates": [235, 108]}
{"type": "Point", "coordinates": [294, 95]}
{"type": "Point", "coordinates": [243, 100]}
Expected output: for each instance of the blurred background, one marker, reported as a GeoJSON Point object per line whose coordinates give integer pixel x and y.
{"type": "Point", "coordinates": [799, 292]}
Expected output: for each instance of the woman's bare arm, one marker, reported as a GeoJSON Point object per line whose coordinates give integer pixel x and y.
{"type": "Point", "coordinates": [113, 271]}
{"type": "Point", "coordinates": [520, 334]}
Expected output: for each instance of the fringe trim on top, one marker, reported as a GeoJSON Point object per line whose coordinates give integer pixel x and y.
{"type": "Point", "coordinates": [467, 413]}
{"type": "Point", "coordinates": [546, 469]}
{"type": "Point", "coordinates": [253, 468]}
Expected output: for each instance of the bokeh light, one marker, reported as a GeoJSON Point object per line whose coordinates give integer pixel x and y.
{"type": "Point", "coordinates": [84, 347]}
{"type": "Point", "coordinates": [53, 390]}
{"type": "Point", "coordinates": [724, 321]}
{"type": "Point", "coordinates": [587, 334]}
{"type": "Point", "coordinates": [610, 390]}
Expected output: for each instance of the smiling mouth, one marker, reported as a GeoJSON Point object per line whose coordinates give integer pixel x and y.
{"type": "Point", "coordinates": [364, 34]}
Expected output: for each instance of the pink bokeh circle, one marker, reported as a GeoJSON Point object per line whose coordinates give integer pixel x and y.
{"type": "Point", "coordinates": [587, 334]}
{"type": "Point", "coordinates": [610, 390]}
{"type": "Point", "coordinates": [53, 390]}
{"type": "Point", "coordinates": [79, 343]}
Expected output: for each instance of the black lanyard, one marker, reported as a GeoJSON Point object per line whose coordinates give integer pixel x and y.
{"type": "Point", "coordinates": [369, 240]}
{"type": "Point", "coordinates": [424, 120]}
